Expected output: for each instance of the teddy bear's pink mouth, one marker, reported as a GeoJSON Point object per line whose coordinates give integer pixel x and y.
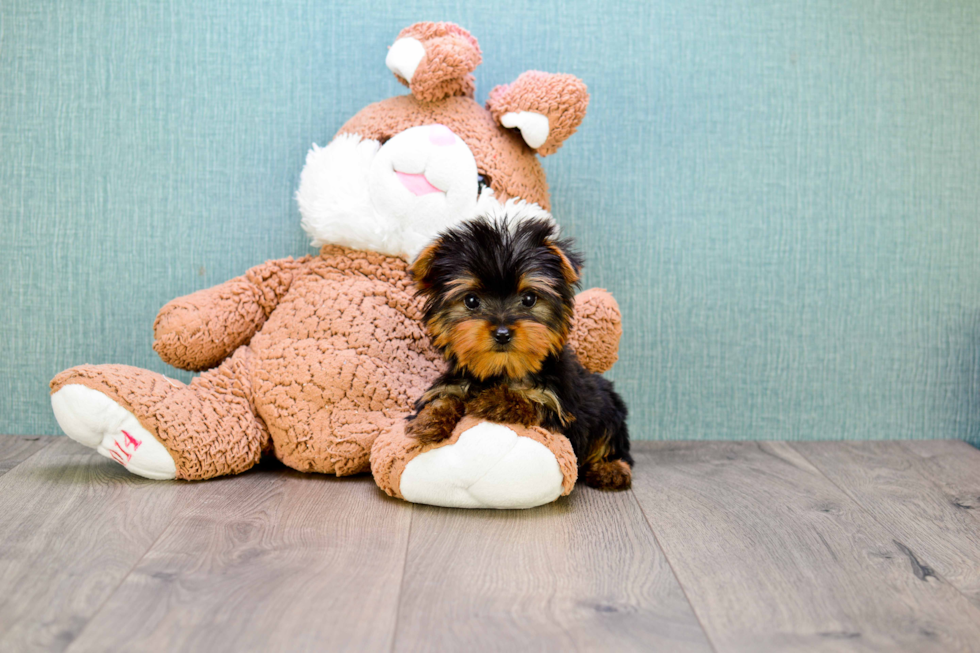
{"type": "Point", "coordinates": [416, 184]}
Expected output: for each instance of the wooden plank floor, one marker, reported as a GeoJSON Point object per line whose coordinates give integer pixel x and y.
{"type": "Point", "coordinates": [720, 546]}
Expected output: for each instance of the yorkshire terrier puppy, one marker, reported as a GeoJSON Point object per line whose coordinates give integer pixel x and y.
{"type": "Point", "coordinates": [498, 304]}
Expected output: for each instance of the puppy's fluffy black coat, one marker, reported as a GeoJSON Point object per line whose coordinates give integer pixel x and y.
{"type": "Point", "coordinates": [499, 300]}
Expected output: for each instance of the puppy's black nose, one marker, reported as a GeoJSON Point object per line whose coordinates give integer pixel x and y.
{"type": "Point", "coordinates": [502, 335]}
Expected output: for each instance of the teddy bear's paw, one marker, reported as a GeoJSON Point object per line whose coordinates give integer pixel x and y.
{"type": "Point", "coordinates": [93, 419]}
{"type": "Point", "coordinates": [489, 466]}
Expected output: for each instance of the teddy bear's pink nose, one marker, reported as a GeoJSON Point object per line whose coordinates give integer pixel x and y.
{"type": "Point", "coordinates": [441, 135]}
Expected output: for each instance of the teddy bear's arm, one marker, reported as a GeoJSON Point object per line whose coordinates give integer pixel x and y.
{"type": "Point", "coordinates": [597, 329]}
{"type": "Point", "coordinates": [198, 331]}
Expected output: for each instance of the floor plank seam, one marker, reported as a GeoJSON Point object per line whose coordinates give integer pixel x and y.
{"type": "Point", "coordinates": [914, 559]}
{"type": "Point", "coordinates": [401, 580]}
{"type": "Point", "coordinates": [929, 479]}
{"type": "Point", "coordinates": [122, 580]}
{"type": "Point", "coordinates": [673, 571]}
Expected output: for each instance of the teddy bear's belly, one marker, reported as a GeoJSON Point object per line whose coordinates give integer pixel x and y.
{"type": "Point", "coordinates": [338, 350]}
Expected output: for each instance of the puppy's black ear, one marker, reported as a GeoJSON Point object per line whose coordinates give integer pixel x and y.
{"type": "Point", "coordinates": [421, 269]}
{"type": "Point", "coordinates": [571, 261]}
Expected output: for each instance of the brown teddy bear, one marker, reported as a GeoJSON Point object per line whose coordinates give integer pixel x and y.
{"type": "Point", "coordinates": [317, 360]}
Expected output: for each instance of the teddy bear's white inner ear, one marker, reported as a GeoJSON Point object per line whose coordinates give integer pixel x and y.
{"type": "Point", "coordinates": [534, 126]}
{"type": "Point", "coordinates": [404, 56]}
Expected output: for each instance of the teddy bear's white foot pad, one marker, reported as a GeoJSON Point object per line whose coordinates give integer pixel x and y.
{"type": "Point", "coordinates": [489, 466]}
{"type": "Point", "coordinates": [93, 419]}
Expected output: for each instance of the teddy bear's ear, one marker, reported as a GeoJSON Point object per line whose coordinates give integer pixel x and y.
{"type": "Point", "coordinates": [435, 60]}
{"type": "Point", "coordinates": [546, 107]}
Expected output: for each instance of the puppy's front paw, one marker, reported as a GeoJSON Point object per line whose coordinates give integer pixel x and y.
{"type": "Point", "coordinates": [436, 421]}
{"type": "Point", "coordinates": [614, 475]}
{"type": "Point", "coordinates": [502, 405]}
{"type": "Point", "coordinates": [428, 429]}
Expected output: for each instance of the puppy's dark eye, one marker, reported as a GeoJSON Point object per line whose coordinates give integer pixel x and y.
{"type": "Point", "coordinates": [528, 299]}
{"type": "Point", "coordinates": [471, 301]}
{"type": "Point", "coordinates": [482, 181]}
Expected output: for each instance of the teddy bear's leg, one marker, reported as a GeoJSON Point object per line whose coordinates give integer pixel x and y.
{"type": "Point", "coordinates": [482, 465]}
{"type": "Point", "coordinates": [160, 428]}
{"type": "Point", "coordinates": [332, 440]}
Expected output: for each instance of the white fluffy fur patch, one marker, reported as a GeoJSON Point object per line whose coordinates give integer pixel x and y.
{"type": "Point", "coordinates": [348, 194]}
{"type": "Point", "coordinates": [490, 466]}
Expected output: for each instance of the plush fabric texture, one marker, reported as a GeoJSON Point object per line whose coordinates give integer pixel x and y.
{"type": "Point", "coordinates": [502, 155]}
{"type": "Point", "coordinates": [562, 99]}
{"type": "Point", "coordinates": [451, 55]}
{"type": "Point", "coordinates": [489, 466]}
{"type": "Point", "coordinates": [198, 331]}
{"type": "Point", "coordinates": [348, 195]}
{"type": "Point", "coordinates": [93, 419]}
{"type": "Point", "coordinates": [393, 451]}
{"type": "Point", "coordinates": [209, 427]}
{"type": "Point", "coordinates": [597, 330]}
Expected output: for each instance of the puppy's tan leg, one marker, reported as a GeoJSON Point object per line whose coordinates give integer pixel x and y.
{"type": "Point", "coordinates": [437, 419]}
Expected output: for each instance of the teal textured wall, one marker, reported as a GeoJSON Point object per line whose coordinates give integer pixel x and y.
{"type": "Point", "coordinates": [784, 196]}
